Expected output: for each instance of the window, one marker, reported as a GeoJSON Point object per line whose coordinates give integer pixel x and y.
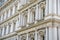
{"type": "Point", "coordinates": [4, 30]}
{"type": "Point", "coordinates": [14, 25]}
{"type": "Point", "coordinates": [11, 11]}
{"type": "Point", "coordinates": [9, 28]}
{"type": "Point", "coordinates": [16, 7]}
{"type": "Point", "coordinates": [25, 18]}
{"type": "Point", "coordinates": [33, 14]}
{"type": "Point", "coordinates": [1, 32]}
{"type": "Point", "coordinates": [43, 11]}
{"type": "Point", "coordinates": [32, 37]}
{"type": "Point", "coordinates": [3, 16]}
{"type": "Point", "coordinates": [43, 37]}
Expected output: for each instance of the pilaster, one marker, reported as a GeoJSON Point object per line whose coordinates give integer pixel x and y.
{"type": "Point", "coordinates": [36, 35]}
{"type": "Point", "coordinates": [27, 37]}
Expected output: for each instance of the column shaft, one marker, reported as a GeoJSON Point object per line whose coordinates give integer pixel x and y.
{"type": "Point", "coordinates": [50, 6]}
{"type": "Point", "coordinates": [50, 33]}
{"type": "Point", "coordinates": [27, 37]}
{"type": "Point", "coordinates": [30, 16]}
{"type": "Point", "coordinates": [54, 33]}
{"type": "Point", "coordinates": [58, 7]}
{"type": "Point", "coordinates": [36, 35]}
{"type": "Point", "coordinates": [9, 13]}
{"type": "Point", "coordinates": [46, 34]}
{"type": "Point", "coordinates": [19, 19]}
{"type": "Point", "coordinates": [37, 12]}
{"type": "Point", "coordinates": [13, 9]}
{"type": "Point", "coordinates": [55, 6]}
{"type": "Point", "coordinates": [47, 8]}
{"type": "Point", "coordinates": [4, 15]}
{"type": "Point", "coordinates": [12, 27]}
{"type": "Point", "coordinates": [28, 21]}
{"type": "Point", "coordinates": [59, 33]}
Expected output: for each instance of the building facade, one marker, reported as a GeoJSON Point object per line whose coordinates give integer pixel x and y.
{"type": "Point", "coordinates": [30, 20]}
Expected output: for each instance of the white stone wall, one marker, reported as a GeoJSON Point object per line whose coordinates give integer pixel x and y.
{"type": "Point", "coordinates": [33, 15]}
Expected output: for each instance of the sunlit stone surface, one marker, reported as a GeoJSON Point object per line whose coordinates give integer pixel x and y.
{"type": "Point", "coordinates": [29, 20]}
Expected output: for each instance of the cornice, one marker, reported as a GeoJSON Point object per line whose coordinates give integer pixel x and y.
{"type": "Point", "coordinates": [5, 4]}
{"type": "Point", "coordinates": [8, 35]}
{"type": "Point", "coordinates": [42, 22]}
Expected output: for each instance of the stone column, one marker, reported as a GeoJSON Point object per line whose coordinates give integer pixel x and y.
{"type": "Point", "coordinates": [27, 37]}
{"type": "Point", "coordinates": [22, 19]}
{"type": "Point", "coordinates": [30, 16]}
{"type": "Point", "coordinates": [37, 12]}
{"type": "Point", "coordinates": [58, 7]}
{"type": "Point", "coordinates": [12, 27]}
{"type": "Point", "coordinates": [36, 35]}
{"type": "Point", "coordinates": [55, 6]}
{"type": "Point", "coordinates": [17, 24]}
{"type": "Point", "coordinates": [19, 4]}
{"type": "Point", "coordinates": [19, 37]}
{"type": "Point", "coordinates": [50, 33]}
{"type": "Point", "coordinates": [4, 15]}
{"type": "Point", "coordinates": [50, 6]}
{"type": "Point", "coordinates": [13, 9]}
{"type": "Point", "coordinates": [59, 33]}
{"type": "Point", "coordinates": [9, 13]}
{"type": "Point", "coordinates": [54, 33]}
{"type": "Point", "coordinates": [46, 34]}
{"type": "Point", "coordinates": [28, 19]}
{"type": "Point", "coordinates": [47, 8]}
{"type": "Point", "coordinates": [39, 36]}
{"type": "Point", "coordinates": [19, 19]}
{"type": "Point", "coordinates": [40, 15]}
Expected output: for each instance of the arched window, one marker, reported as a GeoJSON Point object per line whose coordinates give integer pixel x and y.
{"type": "Point", "coordinates": [5, 29]}
{"type": "Point", "coordinates": [1, 32]}
{"type": "Point", "coordinates": [33, 14]}
{"type": "Point", "coordinates": [14, 25]}
{"type": "Point", "coordinates": [9, 27]}
{"type": "Point", "coordinates": [25, 18]}
{"type": "Point", "coordinates": [43, 10]}
{"type": "Point", "coordinates": [11, 11]}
